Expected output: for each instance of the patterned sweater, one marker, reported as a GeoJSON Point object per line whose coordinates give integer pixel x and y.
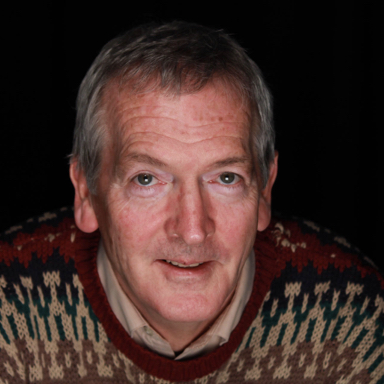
{"type": "Point", "coordinates": [315, 314]}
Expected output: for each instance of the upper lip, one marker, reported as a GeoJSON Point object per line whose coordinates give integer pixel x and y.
{"type": "Point", "coordinates": [185, 262]}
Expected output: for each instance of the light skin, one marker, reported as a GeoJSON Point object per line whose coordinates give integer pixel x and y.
{"type": "Point", "coordinates": [178, 187]}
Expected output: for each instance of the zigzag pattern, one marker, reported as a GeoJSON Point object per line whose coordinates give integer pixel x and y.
{"type": "Point", "coordinates": [322, 319]}
{"type": "Point", "coordinates": [337, 337]}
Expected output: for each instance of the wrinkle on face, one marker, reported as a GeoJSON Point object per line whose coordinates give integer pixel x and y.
{"type": "Point", "coordinates": [126, 112]}
{"type": "Point", "coordinates": [193, 139]}
{"type": "Point", "coordinates": [115, 102]}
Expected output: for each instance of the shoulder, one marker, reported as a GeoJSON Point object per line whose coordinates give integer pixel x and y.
{"type": "Point", "coordinates": [42, 299]}
{"type": "Point", "coordinates": [310, 258]}
{"type": "Point", "coordinates": [40, 238]}
{"type": "Point", "coordinates": [38, 253]}
{"type": "Point", "coordinates": [322, 318]}
{"type": "Point", "coordinates": [304, 242]}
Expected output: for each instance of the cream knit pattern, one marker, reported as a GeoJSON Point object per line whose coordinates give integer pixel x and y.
{"type": "Point", "coordinates": [315, 314]}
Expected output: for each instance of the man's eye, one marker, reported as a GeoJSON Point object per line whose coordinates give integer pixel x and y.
{"type": "Point", "coordinates": [145, 179]}
{"type": "Point", "coordinates": [228, 178]}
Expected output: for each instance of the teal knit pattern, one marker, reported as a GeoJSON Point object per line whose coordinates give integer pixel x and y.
{"type": "Point", "coordinates": [315, 314]}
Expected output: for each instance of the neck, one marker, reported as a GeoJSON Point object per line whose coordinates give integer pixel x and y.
{"type": "Point", "coordinates": [181, 335]}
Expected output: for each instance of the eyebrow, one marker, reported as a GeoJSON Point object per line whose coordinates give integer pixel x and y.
{"type": "Point", "coordinates": [147, 159]}
{"type": "Point", "coordinates": [143, 158]}
{"type": "Point", "coordinates": [134, 157]}
{"type": "Point", "coordinates": [232, 161]}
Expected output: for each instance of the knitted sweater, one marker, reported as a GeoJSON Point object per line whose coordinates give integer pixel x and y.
{"type": "Point", "coordinates": [315, 314]}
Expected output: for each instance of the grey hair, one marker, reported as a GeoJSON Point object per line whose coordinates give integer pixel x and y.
{"type": "Point", "coordinates": [179, 58]}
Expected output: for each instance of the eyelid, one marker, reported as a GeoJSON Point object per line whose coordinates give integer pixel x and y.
{"type": "Point", "coordinates": [135, 180]}
{"type": "Point", "coordinates": [236, 181]}
{"type": "Point", "coordinates": [212, 176]}
{"type": "Point", "coordinates": [160, 176]}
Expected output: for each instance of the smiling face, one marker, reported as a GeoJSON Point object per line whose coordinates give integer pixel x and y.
{"type": "Point", "coordinates": [178, 202]}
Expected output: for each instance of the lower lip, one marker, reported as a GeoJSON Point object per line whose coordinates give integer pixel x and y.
{"type": "Point", "coordinates": [172, 271]}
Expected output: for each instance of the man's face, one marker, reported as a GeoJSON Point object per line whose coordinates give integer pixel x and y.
{"type": "Point", "coordinates": [178, 201]}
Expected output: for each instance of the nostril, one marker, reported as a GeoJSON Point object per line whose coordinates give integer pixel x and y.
{"type": "Point", "coordinates": [189, 219]}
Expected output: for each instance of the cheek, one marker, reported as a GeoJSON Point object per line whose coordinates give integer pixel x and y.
{"type": "Point", "coordinates": [236, 231]}
{"type": "Point", "coordinates": [237, 220]}
{"type": "Point", "coordinates": [135, 222]}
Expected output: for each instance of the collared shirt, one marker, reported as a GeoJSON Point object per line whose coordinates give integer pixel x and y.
{"type": "Point", "coordinates": [143, 334]}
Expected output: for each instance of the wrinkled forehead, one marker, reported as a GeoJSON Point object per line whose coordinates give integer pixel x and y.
{"type": "Point", "coordinates": [216, 105]}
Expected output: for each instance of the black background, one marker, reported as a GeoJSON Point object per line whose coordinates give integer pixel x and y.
{"type": "Point", "coordinates": [323, 65]}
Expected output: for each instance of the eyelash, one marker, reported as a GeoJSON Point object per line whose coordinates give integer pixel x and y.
{"type": "Point", "coordinates": [155, 189]}
{"type": "Point", "coordinates": [145, 174]}
{"type": "Point", "coordinates": [236, 181]}
{"type": "Point", "coordinates": [143, 190]}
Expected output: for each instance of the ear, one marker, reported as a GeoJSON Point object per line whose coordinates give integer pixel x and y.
{"type": "Point", "coordinates": [85, 216]}
{"type": "Point", "coordinates": [264, 210]}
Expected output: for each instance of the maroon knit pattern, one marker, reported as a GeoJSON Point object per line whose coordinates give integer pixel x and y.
{"type": "Point", "coordinates": [149, 361]}
{"type": "Point", "coordinates": [316, 312]}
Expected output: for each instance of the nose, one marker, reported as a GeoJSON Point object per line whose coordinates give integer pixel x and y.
{"type": "Point", "coordinates": [189, 219]}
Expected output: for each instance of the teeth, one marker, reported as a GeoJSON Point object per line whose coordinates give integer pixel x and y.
{"type": "Point", "coordinates": [182, 265]}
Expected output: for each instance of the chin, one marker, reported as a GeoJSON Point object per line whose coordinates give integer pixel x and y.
{"type": "Point", "coordinates": [197, 309]}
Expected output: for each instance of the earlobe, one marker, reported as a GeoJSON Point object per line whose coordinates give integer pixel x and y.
{"type": "Point", "coordinates": [264, 210]}
{"type": "Point", "coordinates": [85, 216]}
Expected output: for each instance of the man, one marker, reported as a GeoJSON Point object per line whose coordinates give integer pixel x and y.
{"type": "Point", "coordinates": [173, 166]}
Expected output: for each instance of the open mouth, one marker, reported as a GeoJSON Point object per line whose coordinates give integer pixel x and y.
{"type": "Point", "coordinates": [174, 263]}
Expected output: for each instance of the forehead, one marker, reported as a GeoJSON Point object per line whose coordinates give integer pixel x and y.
{"type": "Point", "coordinates": [188, 118]}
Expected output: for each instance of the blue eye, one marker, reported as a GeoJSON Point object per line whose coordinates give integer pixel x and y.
{"type": "Point", "coordinates": [145, 179]}
{"type": "Point", "coordinates": [228, 178]}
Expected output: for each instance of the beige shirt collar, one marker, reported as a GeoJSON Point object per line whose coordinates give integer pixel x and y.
{"type": "Point", "coordinates": [143, 334]}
